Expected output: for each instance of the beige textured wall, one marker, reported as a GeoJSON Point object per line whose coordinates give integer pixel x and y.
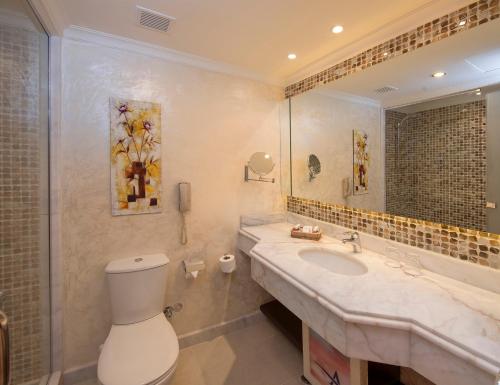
{"type": "Point", "coordinates": [212, 123]}
{"type": "Point", "coordinates": [323, 125]}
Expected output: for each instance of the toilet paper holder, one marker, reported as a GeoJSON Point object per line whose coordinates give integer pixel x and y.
{"type": "Point", "coordinates": [170, 310]}
{"type": "Point", "coordinates": [192, 268]}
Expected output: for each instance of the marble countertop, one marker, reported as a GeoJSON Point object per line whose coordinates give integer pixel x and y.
{"type": "Point", "coordinates": [460, 318]}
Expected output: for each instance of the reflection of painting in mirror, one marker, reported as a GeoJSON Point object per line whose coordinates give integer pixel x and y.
{"type": "Point", "coordinates": [135, 157]}
{"type": "Point", "coordinates": [361, 161]}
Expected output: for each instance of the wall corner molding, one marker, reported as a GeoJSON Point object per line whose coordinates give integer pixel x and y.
{"type": "Point", "coordinates": [50, 16]}
{"type": "Point", "coordinates": [87, 35]}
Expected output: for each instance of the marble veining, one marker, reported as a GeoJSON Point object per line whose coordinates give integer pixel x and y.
{"type": "Point", "coordinates": [385, 309]}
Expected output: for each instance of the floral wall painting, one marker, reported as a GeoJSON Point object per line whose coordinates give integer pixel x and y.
{"type": "Point", "coordinates": [135, 157]}
{"type": "Point", "coordinates": [361, 160]}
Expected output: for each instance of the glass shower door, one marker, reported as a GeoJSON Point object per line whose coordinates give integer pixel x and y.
{"type": "Point", "coordinates": [24, 198]}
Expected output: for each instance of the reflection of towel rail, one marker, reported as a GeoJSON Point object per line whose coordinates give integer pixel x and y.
{"type": "Point", "coordinates": [5, 353]}
{"type": "Point", "coordinates": [261, 179]}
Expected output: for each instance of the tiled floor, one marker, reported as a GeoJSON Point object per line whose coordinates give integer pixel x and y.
{"type": "Point", "coordinates": [256, 355]}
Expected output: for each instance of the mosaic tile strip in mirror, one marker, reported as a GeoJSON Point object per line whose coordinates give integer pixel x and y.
{"type": "Point", "coordinates": [468, 245]}
{"type": "Point", "coordinates": [474, 14]}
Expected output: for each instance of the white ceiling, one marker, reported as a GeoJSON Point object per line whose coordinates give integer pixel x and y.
{"type": "Point", "coordinates": [471, 60]}
{"type": "Point", "coordinates": [254, 35]}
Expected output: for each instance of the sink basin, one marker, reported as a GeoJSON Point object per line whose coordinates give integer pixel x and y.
{"type": "Point", "coordinates": [333, 261]}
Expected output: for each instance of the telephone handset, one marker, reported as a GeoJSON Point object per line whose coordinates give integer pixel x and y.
{"type": "Point", "coordinates": [184, 197]}
{"type": "Point", "coordinates": [184, 206]}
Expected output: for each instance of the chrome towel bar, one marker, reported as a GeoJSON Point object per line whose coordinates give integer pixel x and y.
{"type": "Point", "coordinates": [4, 350]}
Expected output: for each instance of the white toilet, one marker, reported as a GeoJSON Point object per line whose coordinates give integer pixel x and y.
{"type": "Point", "coordinates": [142, 347]}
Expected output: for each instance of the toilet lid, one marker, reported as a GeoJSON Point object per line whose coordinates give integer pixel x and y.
{"type": "Point", "coordinates": [139, 353]}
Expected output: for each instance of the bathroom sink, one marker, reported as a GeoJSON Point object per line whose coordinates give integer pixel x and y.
{"type": "Point", "coordinates": [333, 261]}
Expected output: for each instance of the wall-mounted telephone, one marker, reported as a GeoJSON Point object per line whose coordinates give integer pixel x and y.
{"type": "Point", "coordinates": [184, 206]}
{"type": "Point", "coordinates": [184, 197]}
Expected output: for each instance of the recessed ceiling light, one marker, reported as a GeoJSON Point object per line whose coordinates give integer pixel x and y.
{"type": "Point", "coordinates": [292, 56]}
{"type": "Point", "coordinates": [438, 74]}
{"type": "Point", "coordinates": [337, 29]}
{"type": "Point", "coordinates": [461, 23]}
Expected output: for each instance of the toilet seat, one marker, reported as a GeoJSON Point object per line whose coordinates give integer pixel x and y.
{"type": "Point", "coordinates": [143, 353]}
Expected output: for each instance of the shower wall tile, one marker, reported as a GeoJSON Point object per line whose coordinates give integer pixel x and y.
{"type": "Point", "coordinates": [20, 201]}
{"type": "Point", "coordinates": [468, 245]}
{"type": "Point", "coordinates": [441, 27]}
{"type": "Point", "coordinates": [440, 175]}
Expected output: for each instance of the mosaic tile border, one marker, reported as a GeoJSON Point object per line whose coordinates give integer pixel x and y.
{"type": "Point", "coordinates": [474, 14]}
{"type": "Point", "coordinates": [468, 245]}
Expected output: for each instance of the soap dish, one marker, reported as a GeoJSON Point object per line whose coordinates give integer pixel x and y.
{"type": "Point", "coordinates": [311, 236]}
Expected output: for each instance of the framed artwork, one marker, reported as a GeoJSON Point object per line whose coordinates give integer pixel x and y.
{"type": "Point", "coordinates": [135, 143]}
{"type": "Point", "coordinates": [325, 365]}
{"type": "Point", "coordinates": [361, 160]}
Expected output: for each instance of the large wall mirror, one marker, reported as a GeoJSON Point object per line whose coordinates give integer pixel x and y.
{"type": "Point", "coordinates": [416, 136]}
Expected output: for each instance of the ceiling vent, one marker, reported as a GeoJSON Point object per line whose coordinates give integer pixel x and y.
{"type": "Point", "coordinates": [386, 89]}
{"type": "Point", "coordinates": [153, 20]}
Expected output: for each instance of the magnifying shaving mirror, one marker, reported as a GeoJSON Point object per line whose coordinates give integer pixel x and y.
{"type": "Point", "coordinates": [261, 164]}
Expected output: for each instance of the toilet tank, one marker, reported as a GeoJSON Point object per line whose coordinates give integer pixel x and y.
{"type": "Point", "coordinates": [137, 287]}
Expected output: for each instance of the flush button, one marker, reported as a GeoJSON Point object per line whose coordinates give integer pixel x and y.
{"type": "Point", "coordinates": [138, 260]}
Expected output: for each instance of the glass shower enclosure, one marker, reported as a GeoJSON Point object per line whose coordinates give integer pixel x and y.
{"type": "Point", "coordinates": [24, 197]}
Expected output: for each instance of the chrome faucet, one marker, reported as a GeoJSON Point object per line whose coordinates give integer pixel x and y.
{"type": "Point", "coordinates": [354, 240]}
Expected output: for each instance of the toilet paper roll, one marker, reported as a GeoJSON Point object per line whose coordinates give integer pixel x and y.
{"type": "Point", "coordinates": [227, 263]}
